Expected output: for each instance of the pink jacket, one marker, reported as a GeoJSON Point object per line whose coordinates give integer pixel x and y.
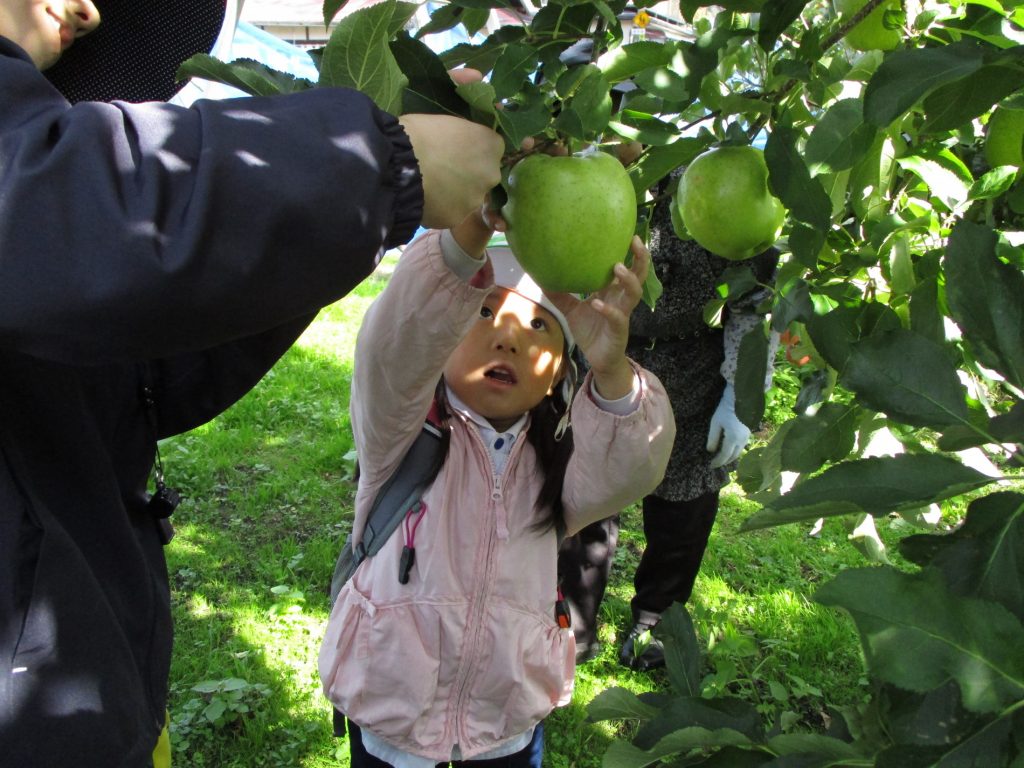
{"type": "Point", "coordinates": [468, 652]}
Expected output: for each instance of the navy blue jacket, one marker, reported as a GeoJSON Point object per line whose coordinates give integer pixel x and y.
{"type": "Point", "coordinates": [147, 245]}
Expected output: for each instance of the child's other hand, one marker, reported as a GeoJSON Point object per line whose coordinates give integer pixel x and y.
{"type": "Point", "coordinates": [600, 323]}
{"type": "Point", "coordinates": [474, 231]}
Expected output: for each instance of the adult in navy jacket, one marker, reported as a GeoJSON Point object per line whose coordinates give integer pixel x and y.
{"type": "Point", "coordinates": [155, 261]}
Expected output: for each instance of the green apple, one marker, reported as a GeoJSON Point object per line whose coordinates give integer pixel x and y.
{"type": "Point", "coordinates": [724, 202]}
{"type": "Point", "coordinates": [570, 219]}
{"type": "Point", "coordinates": [1004, 137]}
{"type": "Point", "coordinates": [871, 33]}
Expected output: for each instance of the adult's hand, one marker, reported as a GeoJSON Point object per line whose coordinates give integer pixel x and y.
{"type": "Point", "coordinates": [460, 162]}
{"type": "Point", "coordinates": [728, 436]}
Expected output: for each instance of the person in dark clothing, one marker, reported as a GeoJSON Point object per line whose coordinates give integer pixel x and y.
{"type": "Point", "coordinates": [155, 261]}
{"type": "Point", "coordinates": [697, 364]}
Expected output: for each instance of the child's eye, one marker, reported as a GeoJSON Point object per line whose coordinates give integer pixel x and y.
{"type": "Point", "coordinates": [486, 312]}
{"type": "Point", "coordinates": [539, 324]}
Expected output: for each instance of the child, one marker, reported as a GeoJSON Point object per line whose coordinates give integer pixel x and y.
{"type": "Point", "coordinates": [465, 660]}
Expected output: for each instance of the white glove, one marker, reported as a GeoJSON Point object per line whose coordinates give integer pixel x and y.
{"type": "Point", "coordinates": [728, 435]}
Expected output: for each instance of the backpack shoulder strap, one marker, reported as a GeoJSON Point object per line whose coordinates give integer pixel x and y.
{"type": "Point", "coordinates": [400, 493]}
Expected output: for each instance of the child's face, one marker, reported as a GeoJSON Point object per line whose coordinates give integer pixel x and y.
{"type": "Point", "coordinates": [46, 28]}
{"type": "Point", "coordinates": [510, 360]}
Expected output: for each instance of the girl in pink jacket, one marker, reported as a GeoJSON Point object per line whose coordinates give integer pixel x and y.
{"type": "Point", "coordinates": [465, 659]}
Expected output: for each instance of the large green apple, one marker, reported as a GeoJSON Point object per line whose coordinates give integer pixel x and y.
{"type": "Point", "coordinates": [871, 33]}
{"type": "Point", "coordinates": [724, 202]}
{"type": "Point", "coordinates": [570, 219]}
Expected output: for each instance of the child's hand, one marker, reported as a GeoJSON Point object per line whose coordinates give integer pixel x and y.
{"type": "Point", "coordinates": [600, 324]}
{"type": "Point", "coordinates": [474, 232]}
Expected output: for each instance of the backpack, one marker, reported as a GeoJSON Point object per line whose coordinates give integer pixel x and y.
{"type": "Point", "coordinates": [400, 494]}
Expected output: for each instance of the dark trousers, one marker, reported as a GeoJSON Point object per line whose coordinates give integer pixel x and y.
{"type": "Point", "coordinates": [677, 534]}
{"type": "Point", "coordinates": [528, 757]}
{"type": "Point", "coordinates": [584, 565]}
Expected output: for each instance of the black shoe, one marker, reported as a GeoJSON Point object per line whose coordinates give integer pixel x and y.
{"type": "Point", "coordinates": [651, 657]}
{"type": "Point", "coordinates": [587, 651]}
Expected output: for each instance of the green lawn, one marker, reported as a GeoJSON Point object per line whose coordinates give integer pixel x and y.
{"type": "Point", "coordinates": [267, 505]}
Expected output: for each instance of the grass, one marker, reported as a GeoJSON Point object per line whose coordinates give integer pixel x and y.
{"type": "Point", "coordinates": [268, 505]}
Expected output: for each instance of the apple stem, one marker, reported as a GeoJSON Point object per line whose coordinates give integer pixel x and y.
{"type": "Point", "coordinates": [514, 157]}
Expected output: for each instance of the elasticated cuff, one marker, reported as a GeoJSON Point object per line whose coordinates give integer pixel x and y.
{"type": "Point", "coordinates": [407, 181]}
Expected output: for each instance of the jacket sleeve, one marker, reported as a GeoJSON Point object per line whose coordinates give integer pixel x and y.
{"type": "Point", "coordinates": [616, 460]}
{"type": "Point", "coordinates": [136, 231]}
{"type": "Point", "coordinates": [191, 388]}
{"type": "Point", "coordinates": [403, 344]}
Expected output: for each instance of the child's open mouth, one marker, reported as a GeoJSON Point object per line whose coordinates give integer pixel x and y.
{"type": "Point", "coordinates": [501, 374]}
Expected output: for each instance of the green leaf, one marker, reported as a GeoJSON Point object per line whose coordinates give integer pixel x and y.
{"type": "Point", "coordinates": [485, 4]}
{"type": "Point", "coordinates": [994, 183]}
{"type": "Point", "coordinates": [253, 77]}
{"type": "Point", "coordinates": [331, 8]}
{"type": "Point", "coordinates": [663, 82]}
{"type": "Point", "coordinates": [833, 334]}
{"type": "Point", "coordinates": [215, 710]}
{"type": "Point", "coordinates": [941, 182]}
{"type": "Point", "coordinates": [630, 60]}
{"type": "Point", "coordinates": [806, 243]}
{"type": "Point", "coordinates": [483, 56]}
{"type": "Point", "coordinates": [700, 58]}
{"type": "Point", "coordinates": [652, 289]}
{"type": "Point", "coordinates": [925, 317]}
{"type": "Point", "coordinates": [994, 744]}
{"type": "Point", "coordinates": [658, 162]}
{"type": "Point", "coordinates": [563, 22]}
{"type": "Point", "coordinates": [430, 89]}
{"type": "Point", "coordinates": [827, 436]}
{"type": "Point", "coordinates": [986, 299]}
{"type": "Point", "coordinates": [711, 714]}
{"type": "Point", "coordinates": [479, 95]}
{"type": "Point", "coordinates": [917, 635]}
{"type": "Point", "coordinates": [207, 686]}
{"type": "Point", "coordinates": [907, 377]}
{"type": "Point", "coordinates": [622, 754]}
{"type": "Point", "coordinates": [814, 744]}
{"type": "Point", "coordinates": [876, 486]}
{"type": "Point", "coordinates": [475, 19]}
{"type": "Point", "coordinates": [358, 55]}
{"type": "Point", "coordinates": [619, 704]}
{"type": "Point", "coordinates": [982, 558]}
{"type": "Point", "coordinates": [791, 181]}
{"type": "Point", "coordinates": [841, 138]}
{"type": "Point", "coordinates": [908, 75]}
{"type": "Point", "coordinates": [443, 18]}
{"type": "Point", "coordinates": [751, 368]}
{"type": "Point", "coordinates": [955, 104]}
{"type": "Point", "coordinates": [682, 653]}
{"type": "Point", "coordinates": [776, 16]}
{"type": "Point", "coordinates": [586, 110]}
{"type": "Point", "coordinates": [527, 114]}
{"type": "Point", "coordinates": [760, 467]}
{"type": "Point", "coordinates": [512, 68]}
{"type": "Point", "coordinates": [935, 717]}
{"type": "Point", "coordinates": [645, 128]}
